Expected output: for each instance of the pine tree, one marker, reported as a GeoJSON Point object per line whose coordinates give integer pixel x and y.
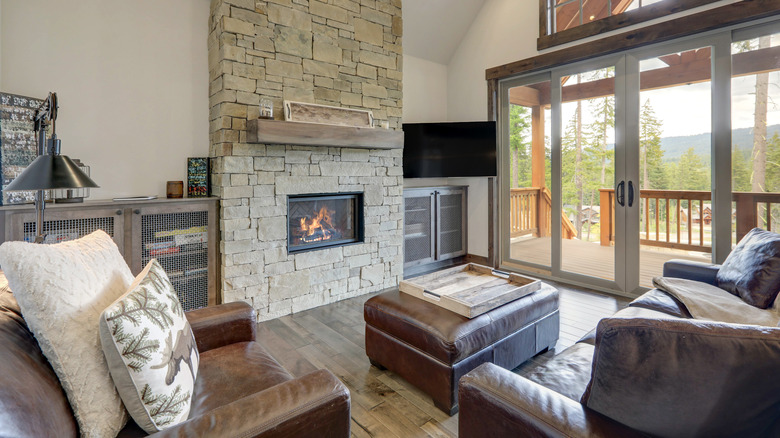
{"type": "Point", "coordinates": [520, 146]}
{"type": "Point", "coordinates": [651, 153]}
{"type": "Point", "coordinates": [759, 125]}
{"type": "Point", "coordinates": [740, 170]}
{"type": "Point", "coordinates": [692, 172]}
{"type": "Point", "coordinates": [773, 164]}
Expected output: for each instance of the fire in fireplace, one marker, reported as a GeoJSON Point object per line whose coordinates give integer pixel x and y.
{"type": "Point", "coordinates": [318, 221]}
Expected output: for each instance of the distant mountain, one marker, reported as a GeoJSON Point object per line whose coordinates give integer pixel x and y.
{"type": "Point", "coordinates": [674, 147]}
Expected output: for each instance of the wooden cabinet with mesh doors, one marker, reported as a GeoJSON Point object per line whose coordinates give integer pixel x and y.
{"type": "Point", "coordinates": [182, 234]}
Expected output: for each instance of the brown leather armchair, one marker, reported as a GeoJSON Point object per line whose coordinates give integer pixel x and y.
{"type": "Point", "coordinates": [240, 390]}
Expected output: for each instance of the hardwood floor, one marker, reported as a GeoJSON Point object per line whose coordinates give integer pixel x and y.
{"type": "Point", "coordinates": [383, 404]}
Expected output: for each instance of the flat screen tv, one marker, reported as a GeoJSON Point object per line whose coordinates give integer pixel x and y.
{"type": "Point", "coordinates": [450, 149]}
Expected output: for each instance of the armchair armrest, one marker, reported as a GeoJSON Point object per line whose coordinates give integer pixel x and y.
{"type": "Point", "coordinates": [517, 406]}
{"type": "Point", "coordinates": [690, 270]}
{"type": "Point", "coordinates": [221, 325]}
{"type": "Point", "coordinates": [315, 405]}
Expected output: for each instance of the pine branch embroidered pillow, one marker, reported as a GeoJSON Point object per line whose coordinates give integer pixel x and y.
{"type": "Point", "coordinates": [151, 351]}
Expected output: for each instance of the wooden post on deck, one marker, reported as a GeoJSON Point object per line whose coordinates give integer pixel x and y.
{"type": "Point", "coordinates": [537, 167]}
{"type": "Point", "coordinates": [747, 217]}
{"type": "Point", "coordinates": [605, 216]}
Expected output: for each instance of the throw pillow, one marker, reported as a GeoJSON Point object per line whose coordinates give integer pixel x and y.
{"type": "Point", "coordinates": [151, 351]}
{"type": "Point", "coordinates": [685, 377]}
{"type": "Point", "coordinates": [61, 290]}
{"type": "Point", "coordinates": [752, 270]}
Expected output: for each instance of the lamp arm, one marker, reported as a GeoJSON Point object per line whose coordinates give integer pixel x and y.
{"type": "Point", "coordinates": [46, 114]}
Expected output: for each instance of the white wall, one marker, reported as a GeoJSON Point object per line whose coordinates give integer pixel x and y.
{"type": "Point", "coordinates": [131, 77]}
{"type": "Point", "coordinates": [503, 32]}
{"type": "Point", "coordinates": [425, 91]}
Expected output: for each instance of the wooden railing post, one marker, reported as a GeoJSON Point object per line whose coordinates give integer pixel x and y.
{"type": "Point", "coordinates": [746, 213]}
{"type": "Point", "coordinates": [605, 216]}
{"type": "Point", "coordinates": [544, 211]}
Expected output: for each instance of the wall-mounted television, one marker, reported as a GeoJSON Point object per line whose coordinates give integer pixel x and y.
{"type": "Point", "coordinates": [449, 149]}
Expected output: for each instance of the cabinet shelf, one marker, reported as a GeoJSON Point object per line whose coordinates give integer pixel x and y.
{"type": "Point", "coordinates": [203, 251]}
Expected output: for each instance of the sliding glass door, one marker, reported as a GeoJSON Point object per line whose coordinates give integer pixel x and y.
{"type": "Point", "coordinates": [559, 159]}
{"type": "Point", "coordinates": [585, 147]}
{"type": "Point", "coordinates": [612, 167]}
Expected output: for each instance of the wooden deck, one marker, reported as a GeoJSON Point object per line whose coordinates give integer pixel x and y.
{"type": "Point", "coordinates": [596, 260]}
{"type": "Point", "coordinates": [383, 404]}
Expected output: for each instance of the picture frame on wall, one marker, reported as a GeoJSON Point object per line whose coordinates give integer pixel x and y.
{"type": "Point", "coordinates": [18, 145]}
{"type": "Point", "coordinates": [198, 177]}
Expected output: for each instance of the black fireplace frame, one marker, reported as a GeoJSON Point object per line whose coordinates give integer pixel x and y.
{"type": "Point", "coordinates": [359, 221]}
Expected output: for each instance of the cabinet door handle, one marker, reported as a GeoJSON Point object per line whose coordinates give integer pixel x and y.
{"type": "Point", "coordinates": [119, 212]}
{"type": "Point", "coordinates": [137, 211]}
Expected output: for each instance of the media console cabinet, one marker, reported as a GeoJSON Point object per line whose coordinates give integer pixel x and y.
{"type": "Point", "coordinates": [434, 227]}
{"type": "Point", "coordinates": [182, 234]}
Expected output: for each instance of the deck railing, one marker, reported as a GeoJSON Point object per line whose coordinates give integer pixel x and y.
{"type": "Point", "coordinates": [681, 219]}
{"type": "Point", "coordinates": [524, 211]}
{"type": "Point", "coordinates": [529, 213]}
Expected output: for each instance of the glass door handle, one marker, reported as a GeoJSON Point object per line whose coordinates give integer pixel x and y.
{"type": "Point", "coordinates": [620, 193]}
{"type": "Point", "coordinates": [630, 193]}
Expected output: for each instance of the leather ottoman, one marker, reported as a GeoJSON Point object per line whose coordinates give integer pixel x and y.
{"type": "Point", "coordinates": [432, 347]}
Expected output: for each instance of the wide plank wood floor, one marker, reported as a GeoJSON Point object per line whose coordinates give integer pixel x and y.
{"type": "Point", "coordinates": [383, 404]}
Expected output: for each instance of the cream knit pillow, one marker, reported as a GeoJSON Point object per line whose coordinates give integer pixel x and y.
{"type": "Point", "coordinates": [62, 290]}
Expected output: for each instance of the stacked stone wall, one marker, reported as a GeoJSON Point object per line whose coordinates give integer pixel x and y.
{"type": "Point", "coordinates": [345, 53]}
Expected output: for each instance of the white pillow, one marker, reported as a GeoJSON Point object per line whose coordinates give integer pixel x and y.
{"type": "Point", "coordinates": [61, 290]}
{"type": "Point", "coordinates": [151, 351]}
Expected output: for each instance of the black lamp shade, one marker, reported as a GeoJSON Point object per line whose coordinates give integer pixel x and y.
{"type": "Point", "coordinates": [50, 172]}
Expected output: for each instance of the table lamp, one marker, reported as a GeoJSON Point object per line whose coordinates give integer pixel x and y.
{"type": "Point", "coordinates": [50, 170]}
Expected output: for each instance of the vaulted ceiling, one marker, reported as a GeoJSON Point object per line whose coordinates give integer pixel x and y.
{"type": "Point", "coordinates": [433, 29]}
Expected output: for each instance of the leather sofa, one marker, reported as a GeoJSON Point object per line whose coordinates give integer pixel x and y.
{"type": "Point", "coordinates": [657, 369]}
{"type": "Point", "coordinates": [240, 390]}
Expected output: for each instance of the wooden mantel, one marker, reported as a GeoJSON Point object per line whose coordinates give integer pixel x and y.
{"type": "Point", "coordinates": [313, 134]}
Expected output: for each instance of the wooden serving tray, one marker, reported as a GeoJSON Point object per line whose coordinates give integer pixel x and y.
{"type": "Point", "coordinates": [470, 290]}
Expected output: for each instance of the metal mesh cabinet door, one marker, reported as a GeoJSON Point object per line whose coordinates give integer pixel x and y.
{"type": "Point", "coordinates": [178, 236]}
{"type": "Point", "coordinates": [69, 223]}
{"type": "Point", "coordinates": [451, 222]}
{"type": "Point", "coordinates": [419, 222]}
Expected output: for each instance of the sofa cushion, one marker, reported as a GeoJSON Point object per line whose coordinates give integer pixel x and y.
{"type": "Point", "coordinates": [233, 372]}
{"type": "Point", "coordinates": [151, 351]}
{"type": "Point", "coordinates": [567, 373]}
{"type": "Point", "coordinates": [61, 290]}
{"type": "Point", "coordinates": [685, 377]}
{"type": "Point", "coordinates": [660, 301]}
{"type": "Point", "coordinates": [752, 270]}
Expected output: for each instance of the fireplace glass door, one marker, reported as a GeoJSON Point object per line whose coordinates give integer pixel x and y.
{"type": "Point", "coordinates": [324, 220]}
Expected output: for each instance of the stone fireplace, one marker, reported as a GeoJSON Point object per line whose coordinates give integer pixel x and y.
{"type": "Point", "coordinates": [339, 52]}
